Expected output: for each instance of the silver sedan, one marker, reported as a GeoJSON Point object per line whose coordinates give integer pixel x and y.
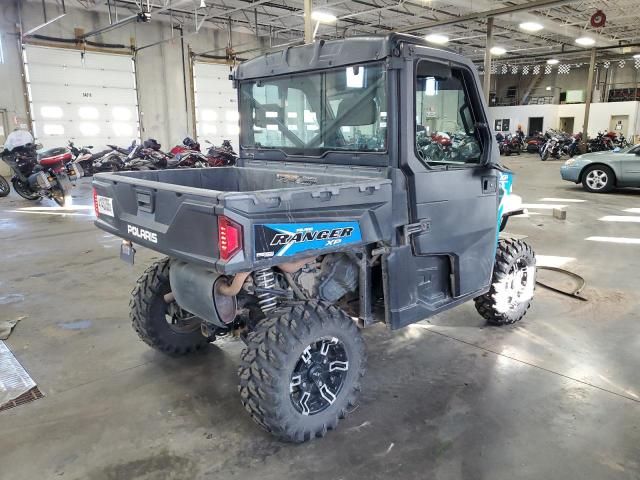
{"type": "Point", "coordinates": [600, 172]}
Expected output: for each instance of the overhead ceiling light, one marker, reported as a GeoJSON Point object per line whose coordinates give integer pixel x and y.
{"type": "Point", "coordinates": [553, 61]}
{"type": "Point", "coordinates": [585, 41]}
{"type": "Point", "coordinates": [202, 4]}
{"type": "Point", "coordinates": [498, 51]}
{"type": "Point", "coordinates": [531, 26]}
{"type": "Point", "coordinates": [323, 17]}
{"type": "Point", "coordinates": [637, 55]}
{"type": "Point", "coordinates": [437, 38]}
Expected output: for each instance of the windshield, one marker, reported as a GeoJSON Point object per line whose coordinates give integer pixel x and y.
{"type": "Point", "coordinates": [309, 114]}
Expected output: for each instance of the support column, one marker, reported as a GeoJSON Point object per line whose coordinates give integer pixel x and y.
{"type": "Point", "coordinates": [308, 23]}
{"type": "Point", "coordinates": [487, 59]}
{"type": "Point", "coordinates": [587, 103]}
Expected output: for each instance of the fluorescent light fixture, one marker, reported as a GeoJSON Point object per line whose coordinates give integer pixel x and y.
{"type": "Point", "coordinates": [323, 17]}
{"type": "Point", "coordinates": [437, 38]}
{"type": "Point", "coordinates": [531, 26]}
{"type": "Point", "coordinates": [498, 51]}
{"type": "Point", "coordinates": [632, 210]}
{"type": "Point", "coordinates": [553, 61]}
{"type": "Point", "coordinates": [548, 89]}
{"type": "Point", "coordinates": [637, 55]}
{"type": "Point", "coordinates": [585, 41]}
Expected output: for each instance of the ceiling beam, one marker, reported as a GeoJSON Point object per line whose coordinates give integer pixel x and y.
{"type": "Point", "coordinates": [536, 4]}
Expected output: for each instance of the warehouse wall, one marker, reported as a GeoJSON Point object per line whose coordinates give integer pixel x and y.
{"type": "Point", "coordinates": [599, 116]}
{"type": "Point", "coordinates": [165, 115]}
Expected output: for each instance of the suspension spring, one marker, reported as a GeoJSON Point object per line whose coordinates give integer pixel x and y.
{"type": "Point", "coordinates": [265, 278]}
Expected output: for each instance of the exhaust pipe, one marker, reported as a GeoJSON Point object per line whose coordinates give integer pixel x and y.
{"type": "Point", "coordinates": [200, 292]}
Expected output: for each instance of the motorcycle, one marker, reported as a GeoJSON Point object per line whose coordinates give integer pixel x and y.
{"type": "Point", "coordinates": [187, 155]}
{"type": "Point", "coordinates": [39, 174]}
{"type": "Point", "coordinates": [534, 143]}
{"type": "Point", "coordinates": [510, 144]}
{"type": "Point", "coordinates": [573, 146]}
{"type": "Point", "coordinates": [602, 142]}
{"type": "Point", "coordinates": [147, 156]}
{"type": "Point", "coordinates": [91, 162]}
{"type": "Point", "coordinates": [222, 156]}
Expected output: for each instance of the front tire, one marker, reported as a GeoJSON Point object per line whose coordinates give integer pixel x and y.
{"type": "Point", "coordinates": [300, 372]}
{"type": "Point", "coordinates": [598, 179]}
{"type": "Point", "coordinates": [512, 286]}
{"type": "Point", "coordinates": [4, 187]}
{"type": "Point", "coordinates": [161, 325]}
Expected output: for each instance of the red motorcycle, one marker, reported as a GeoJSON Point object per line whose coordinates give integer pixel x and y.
{"type": "Point", "coordinates": [187, 155]}
{"type": "Point", "coordinates": [37, 175]}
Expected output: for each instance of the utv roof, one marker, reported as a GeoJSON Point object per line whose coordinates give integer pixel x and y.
{"type": "Point", "coordinates": [323, 54]}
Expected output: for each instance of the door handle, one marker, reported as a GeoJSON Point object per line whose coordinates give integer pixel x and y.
{"type": "Point", "coordinates": [489, 184]}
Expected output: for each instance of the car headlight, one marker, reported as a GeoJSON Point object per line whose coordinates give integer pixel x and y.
{"type": "Point", "coordinates": [570, 162]}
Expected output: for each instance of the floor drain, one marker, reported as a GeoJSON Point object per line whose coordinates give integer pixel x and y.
{"type": "Point", "coordinates": [27, 397]}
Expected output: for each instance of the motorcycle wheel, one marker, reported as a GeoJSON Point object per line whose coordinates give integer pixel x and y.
{"type": "Point", "coordinates": [545, 156]}
{"type": "Point", "coordinates": [58, 196]}
{"type": "Point", "coordinates": [4, 187]}
{"type": "Point", "coordinates": [24, 191]}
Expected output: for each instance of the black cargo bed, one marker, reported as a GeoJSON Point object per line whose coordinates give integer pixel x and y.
{"type": "Point", "coordinates": [180, 209]}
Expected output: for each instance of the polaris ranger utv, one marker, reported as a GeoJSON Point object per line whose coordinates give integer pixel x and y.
{"type": "Point", "coordinates": [367, 190]}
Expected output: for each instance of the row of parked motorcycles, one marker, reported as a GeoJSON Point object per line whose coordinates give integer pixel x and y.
{"type": "Point", "coordinates": [50, 173]}
{"type": "Point", "coordinates": [555, 143]}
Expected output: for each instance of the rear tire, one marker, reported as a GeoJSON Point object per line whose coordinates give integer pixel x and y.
{"type": "Point", "coordinates": [512, 286]}
{"type": "Point", "coordinates": [300, 372]}
{"type": "Point", "coordinates": [165, 327]}
{"type": "Point", "coordinates": [598, 179]}
{"type": "Point", "coordinates": [58, 196]}
{"type": "Point", "coordinates": [24, 191]}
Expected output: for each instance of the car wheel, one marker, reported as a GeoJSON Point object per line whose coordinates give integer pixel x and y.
{"type": "Point", "coordinates": [598, 179]}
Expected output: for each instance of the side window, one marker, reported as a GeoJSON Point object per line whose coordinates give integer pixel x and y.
{"type": "Point", "coordinates": [445, 125]}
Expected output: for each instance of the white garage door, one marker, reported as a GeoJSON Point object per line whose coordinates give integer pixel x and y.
{"type": "Point", "coordinates": [88, 98]}
{"type": "Point", "coordinates": [216, 104]}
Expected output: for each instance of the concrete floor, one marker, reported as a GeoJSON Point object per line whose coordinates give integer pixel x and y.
{"type": "Point", "coordinates": [557, 396]}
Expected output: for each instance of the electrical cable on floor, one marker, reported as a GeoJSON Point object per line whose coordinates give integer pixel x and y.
{"type": "Point", "coordinates": [575, 293]}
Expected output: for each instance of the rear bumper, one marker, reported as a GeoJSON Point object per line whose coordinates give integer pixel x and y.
{"type": "Point", "coordinates": [570, 173]}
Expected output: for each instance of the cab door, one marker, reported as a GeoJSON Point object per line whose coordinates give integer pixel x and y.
{"type": "Point", "coordinates": [453, 189]}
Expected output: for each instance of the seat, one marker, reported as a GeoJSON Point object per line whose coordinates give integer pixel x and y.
{"type": "Point", "coordinates": [54, 156]}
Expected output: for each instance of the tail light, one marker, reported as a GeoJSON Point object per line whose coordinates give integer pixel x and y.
{"type": "Point", "coordinates": [95, 201]}
{"type": "Point", "coordinates": [229, 237]}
